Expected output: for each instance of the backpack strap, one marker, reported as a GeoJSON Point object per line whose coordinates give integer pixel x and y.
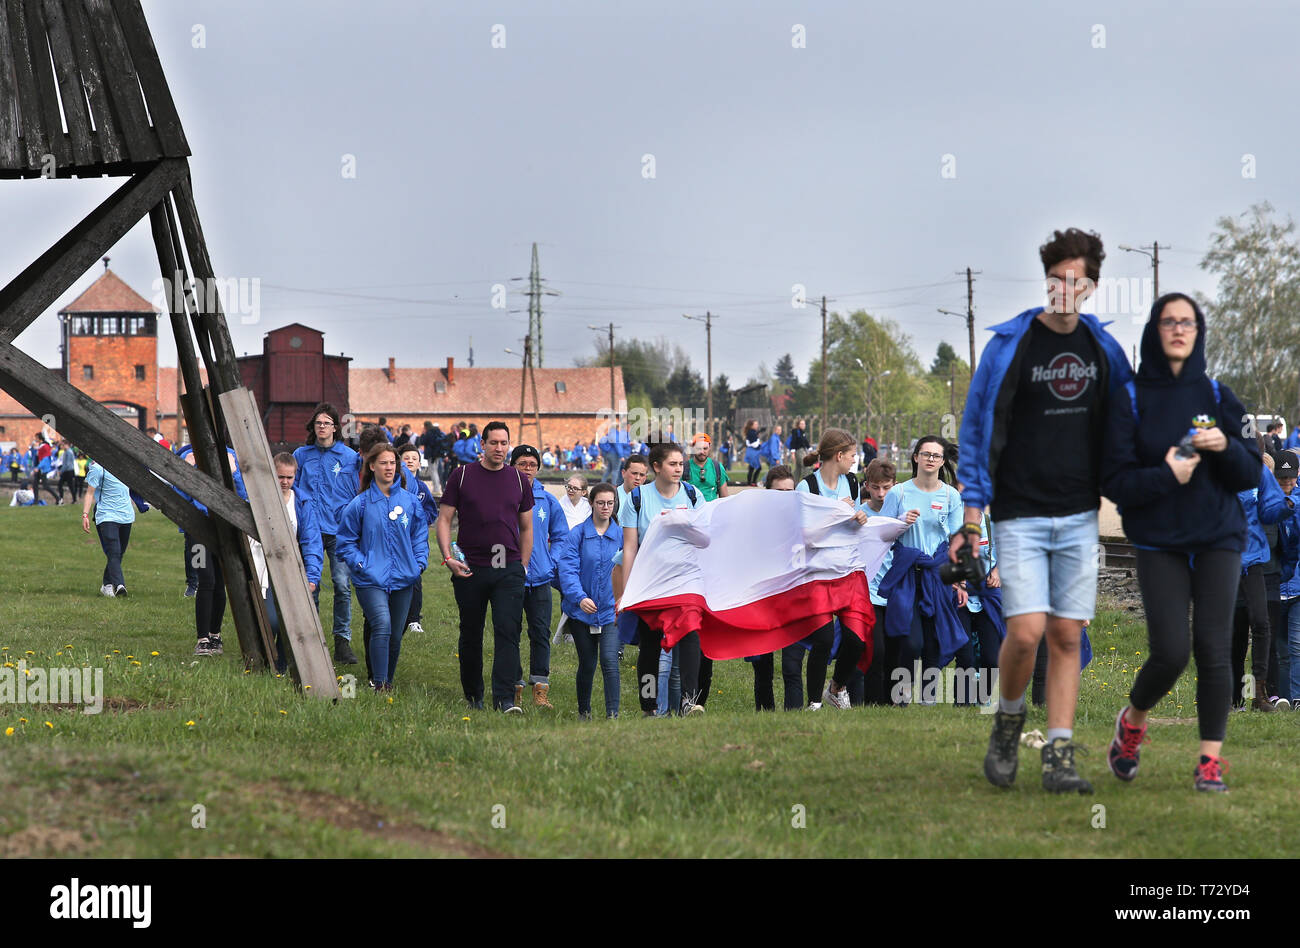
{"type": "Point", "coordinates": [811, 481]}
{"type": "Point", "coordinates": [636, 503]}
{"type": "Point", "coordinates": [690, 493]}
{"type": "Point", "coordinates": [1133, 399]}
{"type": "Point", "coordinates": [722, 477]}
{"type": "Point", "coordinates": [853, 485]}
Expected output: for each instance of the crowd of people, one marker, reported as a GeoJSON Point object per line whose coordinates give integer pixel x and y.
{"type": "Point", "coordinates": [995, 574]}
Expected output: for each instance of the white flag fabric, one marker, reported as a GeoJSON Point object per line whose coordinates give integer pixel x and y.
{"type": "Point", "coordinates": [758, 571]}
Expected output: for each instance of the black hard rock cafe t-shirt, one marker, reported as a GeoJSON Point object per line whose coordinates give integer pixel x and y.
{"type": "Point", "coordinates": [1048, 467]}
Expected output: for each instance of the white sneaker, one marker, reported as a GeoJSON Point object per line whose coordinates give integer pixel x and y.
{"type": "Point", "coordinates": [1281, 704]}
{"type": "Point", "coordinates": [836, 699]}
{"type": "Point", "coordinates": [107, 590]}
{"type": "Point", "coordinates": [814, 706]}
{"type": "Point", "coordinates": [415, 627]}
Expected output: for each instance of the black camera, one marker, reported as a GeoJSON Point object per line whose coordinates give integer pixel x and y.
{"type": "Point", "coordinates": [967, 568]}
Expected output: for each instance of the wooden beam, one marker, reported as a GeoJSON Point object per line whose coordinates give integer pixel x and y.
{"type": "Point", "coordinates": [33, 119]}
{"type": "Point", "coordinates": [299, 617]}
{"type": "Point", "coordinates": [107, 133]}
{"type": "Point", "coordinates": [71, 92]}
{"type": "Point", "coordinates": [39, 50]}
{"type": "Point", "coordinates": [122, 83]}
{"type": "Point", "coordinates": [42, 392]}
{"type": "Point", "coordinates": [12, 154]}
{"type": "Point", "coordinates": [40, 285]}
{"type": "Point", "coordinates": [158, 97]}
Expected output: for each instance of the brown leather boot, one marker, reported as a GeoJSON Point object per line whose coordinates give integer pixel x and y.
{"type": "Point", "coordinates": [519, 696]}
{"type": "Point", "coordinates": [1260, 703]}
{"type": "Point", "coordinates": [540, 700]}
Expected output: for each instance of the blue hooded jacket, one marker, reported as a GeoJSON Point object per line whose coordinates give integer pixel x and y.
{"type": "Point", "coordinates": [238, 478]}
{"type": "Point", "coordinates": [586, 564]}
{"type": "Point", "coordinates": [309, 541]}
{"type": "Point", "coordinates": [1290, 555]}
{"type": "Point", "coordinates": [1158, 512]}
{"type": "Point", "coordinates": [384, 548]}
{"type": "Point", "coordinates": [328, 476]}
{"type": "Point", "coordinates": [1263, 504]}
{"type": "Point", "coordinates": [928, 596]}
{"type": "Point", "coordinates": [992, 390]}
{"type": "Point", "coordinates": [550, 529]}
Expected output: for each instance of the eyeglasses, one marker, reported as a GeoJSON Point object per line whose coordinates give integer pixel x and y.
{"type": "Point", "coordinates": [1170, 324]}
{"type": "Point", "coordinates": [572, 487]}
{"type": "Point", "coordinates": [603, 503]}
{"type": "Point", "coordinates": [930, 456]}
{"type": "Point", "coordinates": [324, 424]}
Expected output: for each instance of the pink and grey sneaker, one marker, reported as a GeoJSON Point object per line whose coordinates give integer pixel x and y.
{"type": "Point", "coordinates": [1126, 747]}
{"type": "Point", "coordinates": [1209, 774]}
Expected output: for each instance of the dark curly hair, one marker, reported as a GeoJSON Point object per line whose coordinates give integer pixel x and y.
{"type": "Point", "coordinates": [1068, 244]}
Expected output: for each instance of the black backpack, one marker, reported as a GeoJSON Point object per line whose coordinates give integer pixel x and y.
{"type": "Point", "coordinates": [814, 485]}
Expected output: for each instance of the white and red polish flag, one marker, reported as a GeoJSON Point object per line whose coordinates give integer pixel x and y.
{"type": "Point", "coordinates": [758, 571]}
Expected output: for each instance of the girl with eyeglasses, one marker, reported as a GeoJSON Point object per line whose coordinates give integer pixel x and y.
{"type": "Point", "coordinates": [384, 539]}
{"type": "Point", "coordinates": [575, 505]}
{"type": "Point", "coordinates": [586, 565]}
{"type": "Point", "coordinates": [921, 608]}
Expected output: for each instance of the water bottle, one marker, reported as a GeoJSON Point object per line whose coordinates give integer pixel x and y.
{"type": "Point", "coordinates": [456, 552]}
{"type": "Point", "coordinates": [1185, 450]}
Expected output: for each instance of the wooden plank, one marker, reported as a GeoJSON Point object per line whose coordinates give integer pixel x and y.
{"type": "Point", "coordinates": [121, 84]}
{"type": "Point", "coordinates": [20, 373]}
{"type": "Point", "coordinates": [85, 150]}
{"type": "Point", "coordinates": [107, 132]}
{"type": "Point", "coordinates": [12, 153]}
{"type": "Point", "coordinates": [29, 105]}
{"type": "Point", "coordinates": [298, 614]}
{"type": "Point", "coordinates": [38, 45]}
{"type": "Point", "coordinates": [162, 109]}
{"type": "Point", "coordinates": [40, 285]}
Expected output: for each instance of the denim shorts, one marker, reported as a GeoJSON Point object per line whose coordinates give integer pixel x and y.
{"type": "Point", "coordinates": [1049, 564]}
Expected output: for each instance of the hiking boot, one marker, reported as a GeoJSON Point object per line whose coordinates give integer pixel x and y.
{"type": "Point", "coordinates": [1059, 775]}
{"type": "Point", "coordinates": [1125, 747]}
{"type": "Point", "coordinates": [519, 695]}
{"type": "Point", "coordinates": [1260, 703]}
{"type": "Point", "coordinates": [214, 645]}
{"type": "Point", "coordinates": [1209, 774]}
{"type": "Point", "coordinates": [1003, 756]}
{"type": "Point", "coordinates": [539, 698]}
{"type": "Point", "coordinates": [343, 653]}
{"type": "Point", "coordinates": [836, 699]}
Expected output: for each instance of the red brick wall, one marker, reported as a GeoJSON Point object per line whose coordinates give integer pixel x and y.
{"type": "Point", "coordinates": [114, 359]}
{"type": "Point", "coordinates": [556, 429]}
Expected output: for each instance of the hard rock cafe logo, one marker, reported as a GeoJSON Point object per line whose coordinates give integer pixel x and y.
{"type": "Point", "coordinates": [1066, 376]}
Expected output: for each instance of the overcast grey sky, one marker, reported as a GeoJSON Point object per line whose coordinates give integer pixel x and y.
{"type": "Point", "coordinates": [773, 165]}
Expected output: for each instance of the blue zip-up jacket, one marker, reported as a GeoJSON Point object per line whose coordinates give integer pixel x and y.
{"type": "Point", "coordinates": [329, 477]}
{"type": "Point", "coordinates": [992, 390]}
{"type": "Point", "coordinates": [753, 450]}
{"type": "Point", "coordinates": [473, 448]}
{"type": "Point", "coordinates": [913, 584]}
{"type": "Point", "coordinates": [1263, 504]}
{"type": "Point", "coordinates": [384, 548]}
{"type": "Point", "coordinates": [550, 529]}
{"type": "Point", "coordinates": [426, 499]}
{"type": "Point", "coordinates": [772, 450]}
{"type": "Point", "coordinates": [586, 563]}
{"type": "Point", "coordinates": [309, 541]}
{"type": "Point", "coordinates": [1293, 441]}
{"type": "Point", "coordinates": [1158, 512]}
{"type": "Point", "coordinates": [1290, 554]}
{"type": "Point", "coordinates": [238, 479]}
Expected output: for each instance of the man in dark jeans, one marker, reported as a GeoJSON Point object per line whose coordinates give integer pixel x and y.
{"type": "Point", "coordinates": [494, 505]}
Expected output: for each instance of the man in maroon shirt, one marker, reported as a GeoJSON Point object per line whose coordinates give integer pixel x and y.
{"type": "Point", "coordinates": [495, 533]}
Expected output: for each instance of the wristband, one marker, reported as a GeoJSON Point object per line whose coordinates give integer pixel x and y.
{"type": "Point", "coordinates": [446, 560]}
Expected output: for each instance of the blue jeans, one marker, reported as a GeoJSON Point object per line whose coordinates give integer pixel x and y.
{"type": "Point", "coordinates": [588, 639]}
{"type": "Point", "coordinates": [342, 578]}
{"type": "Point", "coordinates": [669, 694]}
{"type": "Point", "coordinates": [113, 538]}
{"type": "Point", "coordinates": [386, 612]}
{"type": "Point", "coordinates": [1288, 659]}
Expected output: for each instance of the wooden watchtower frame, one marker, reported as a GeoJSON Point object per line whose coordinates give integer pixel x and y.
{"type": "Point", "coordinates": [91, 66]}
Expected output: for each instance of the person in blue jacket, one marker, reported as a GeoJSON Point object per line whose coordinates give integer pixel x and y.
{"type": "Point", "coordinates": [1286, 634]}
{"type": "Point", "coordinates": [773, 448]}
{"type": "Point", "coordinates": [550, 529]}
{"type": "Point", "coordinates": [1030, 451]}
{"type": "Point", "coordinates": [1181, 512]}
{"type": "Point", "coordinates": [1293, 440]}
{"type": "Point", "coordinates": [411, 481]}
{"type": "Point", "coordinates": [586, 565]}
{"type": "Point", "coordinates": [1253, 619]}
{"type": "Point", "coordinates": [328, 473]}
{"type": "Point", "coordinates": [303, 517]}
{"type": "Point", "coordinates": [753, 450]}
{"type": "Point", "coordinates": [383, 537]}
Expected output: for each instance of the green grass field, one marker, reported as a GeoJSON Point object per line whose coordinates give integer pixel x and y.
{"type": "Point", "coordinates": [279, 774]}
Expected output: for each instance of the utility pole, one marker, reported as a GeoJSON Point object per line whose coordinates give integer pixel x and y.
{"type": "Point", "coordinates": [708, 336]}
{"type": "Point", "coordinates": [825, 397]}
{"type": "Point", "coordinates": [969, 315]}
{"type": "Point", "coordinates": [536, 290]}
{"type": "Point", "coordinates": [1154, 254]}
{"type": "Point", "coordinates": [613, 406]}
{"type": "Point", "coordinates": [525, 375]}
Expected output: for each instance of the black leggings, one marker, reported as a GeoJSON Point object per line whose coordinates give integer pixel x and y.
{"type": "Point", "coordinates": [210, 601]}
{"type": "Point", "coordinates": [753, 473]}
{"type": "Point", "coordinates": [1168, 583]}
{"type": "Point", "coordinates": [697, 668]}
{"type": "Point", "coordinates": [851, 648]}
{"type": "Point", "coordinates": [1250, 627]}
{"type": "Point", "coordinates": [791, 675]}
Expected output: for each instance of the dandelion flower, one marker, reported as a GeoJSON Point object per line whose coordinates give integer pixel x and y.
{"type": "Point", "coordinates": [30, 652]}
{"type": "Point", "coordinates": [49, 725]}
{"type": "Point", "coordinates": [465, 718]}
{"type": "Point", "coordinates": [22, 720]}
{"type": "Point", "coordinates": [282, 711]}
{"type": "Point", "coordinates": [135, 663]}
{"type": "Point", "coordinates": [189, 724]}
{"type": "Point", "coordinates": [9, 732]}
{"type": "Point", "coordinates": [154, 654]}
{"type": "Point", "coordinates": [390, 700]}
